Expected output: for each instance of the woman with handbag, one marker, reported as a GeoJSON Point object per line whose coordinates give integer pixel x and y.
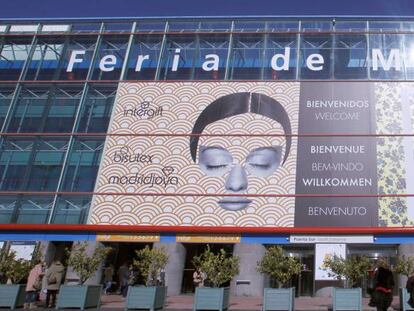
{"type": "Point", "coordinates": [34, 285]}
{"type": "Point", "coordinates": [54, 277]}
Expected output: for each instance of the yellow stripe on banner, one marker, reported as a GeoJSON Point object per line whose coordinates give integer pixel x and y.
{"type": "Point", "coordinates": [150, 237]}
{"type": "Point", "coordinates": [197, 238]}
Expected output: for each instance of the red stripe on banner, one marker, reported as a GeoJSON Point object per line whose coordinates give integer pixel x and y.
{"type": "Point", "coordinates": [193, 229]}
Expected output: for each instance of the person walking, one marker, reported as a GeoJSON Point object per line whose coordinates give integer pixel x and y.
{"type": "Point", "coordinates": [34, 285]}
{"type": "Point", "coordinates": [383, 288]}
{"type": "Point", "coordinates": [410, 289]}
{"type": "Point", "coordinates": [108, 275]}
{"type": "Point", "coordinates": [54, 278]}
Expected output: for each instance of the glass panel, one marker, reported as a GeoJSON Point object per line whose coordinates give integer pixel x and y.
{"type": "Point", "coordinates": [350, 57]}
{"type": "Point", "coordinates": [8, 205]}
{"type": "Point", "coordinates": [34, 209]}
{"type": "Point", "coordinates": [83, 164]}
{"type": "Point", "coordinates": [246, 26]}
{"type": "Point", "coordinates": [407, 26]}
{"type": "Point", "coordinates": [46, 164]}
{"type": "Point", "coordinates": [97, 109]}
{"type": "Point", "coordinates": [179, 58]}
{"type": "Point", "coordinates": [384, 26]}
{"type": "Point", "coordinates": [56, 28]}
{"type": "Point", "coordinates": [247, 60]}
{"type": "Point", "coordinates": [143, 57]}
{"type": "Point", "coordinates": [86, 27]}
{"type": "Point", "coordinates": [6, 95]}
{"type": "Point", "coordinates": [409, 56]}
{"type": "Point", "coordinates": [27, 209]}
{"type": "Point", "coordinates": [212, 26]}
{"type": "Point", "coordinates": [316, 26]}
{"type": "Point", "coordinates": [280, 26]}
{"type": "Point", "coordinates": [81, 50]}
{"type": "Point", "coordinates": [344, 26]}
{"type": "Point", "coordinates": [150, 27]}
{"type": "Point", "coordinates": [3, 28]}
{"type": "Point", "coordinates": [14, 162]}
{"type": "Point", "coordinates": [285, 47]}
{"type": "Point", "coordinates": [183, 26]}
{"type": "Point", "coordinates": [118, 27]}
{"type": "Point", "coordinates": [207, 46]}
{"type": "Point", "coordinates": [23, 28]}
{"type": "Point", "coordinates": [41, 109]}
{"type": "Point", "coordinates": [315, 56]}
{"type": "Point", "coordinates": [46, 58]}
{"type": "Point", "coordinates": [110, 58]}
{"type": "Point", "coordinates": [386, 56]}
{"type": "Point", "coordinates": [72, 210]}
{"type": "Point", "coordinates": [14, 52]}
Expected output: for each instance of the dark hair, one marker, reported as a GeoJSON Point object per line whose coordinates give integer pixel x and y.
{"type": "Point", "coordinates": [239, 103]}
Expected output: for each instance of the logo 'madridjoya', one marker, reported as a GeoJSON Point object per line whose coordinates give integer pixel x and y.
{"type": "Point", "coordinates": [144, 110]}
{"type": "Point", "coordinates": [164, 178]}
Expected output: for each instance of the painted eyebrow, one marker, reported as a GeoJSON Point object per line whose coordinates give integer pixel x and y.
{"type": "Point", "coordinates": [274, 148]}
{"type": "Point", "coordinates": [214, 148]}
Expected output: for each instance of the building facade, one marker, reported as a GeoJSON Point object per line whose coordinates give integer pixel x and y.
{"type": "Point", "coordinates": [235, 132]}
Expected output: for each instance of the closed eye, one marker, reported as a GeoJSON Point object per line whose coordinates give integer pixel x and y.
{"type": "Point", "coordinates": [261, 166]}
{"type": "Point", "coordinates": [216, 167]}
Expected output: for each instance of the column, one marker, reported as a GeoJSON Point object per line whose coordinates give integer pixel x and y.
{"type": "Point", "coordinates": [249, 282]}
{"type": "Point", "coordinates": [175, 266]}
{"type": "Point", "coordinates": [407, 250]}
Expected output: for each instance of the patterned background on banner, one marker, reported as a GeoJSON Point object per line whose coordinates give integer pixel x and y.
{"type": "Point", "coordinates": [175, 107]}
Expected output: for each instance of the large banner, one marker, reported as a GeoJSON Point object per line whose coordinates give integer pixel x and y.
{"type": "Point", "coordinates": [257, 154]}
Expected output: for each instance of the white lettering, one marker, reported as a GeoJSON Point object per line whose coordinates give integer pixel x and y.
{"type": "Point", "coordinates": [176, 59]}
{"type": "Point", "coordinates": [285, 60]}
{"type": "Point", "coordinates": [140, 60]}
{"type": "Point", "coordinates": [212, 64]}
{"type": "Point", "coordinates": [315, 59]}
{"type": "Point", "coordinates": [74, 59]}
{"type": "Point", "coordinates": [107, 63]}
{"type": "Point", "coordinates": [394, 57]}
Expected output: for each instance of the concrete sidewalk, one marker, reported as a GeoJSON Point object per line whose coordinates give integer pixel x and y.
{"type": "Point", "coordinates": [185, 302]}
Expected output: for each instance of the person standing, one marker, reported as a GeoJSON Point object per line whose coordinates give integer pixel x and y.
{"type": "Point", "coordinates": [383, 288]}
{"type": "Point", "coordinates": [108, 275]}
{"type": "Point", "coordinates": [34, 285]}
{"type": "Point", "coordinates": [123, 277]}
{"type": "Point", "coordinates": [54, 278]}
{"type": "Point", "coordinates": [198, 278]}
{"type": "Point", "coordinates": [410, 289]}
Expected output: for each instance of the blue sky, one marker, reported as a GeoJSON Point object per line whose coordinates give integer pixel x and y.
{"type": "Point", "coordinates": [137, 8]}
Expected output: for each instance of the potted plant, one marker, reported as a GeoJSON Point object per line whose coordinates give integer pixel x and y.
{"type": "Point", "coordinates": [218, 268]}
{"type": "Point", "coordinates": [85, 266]}
{"type": "Point", "coordinates": [149, 263]}
{"type": "Point", "coordinates": [350, 270]}
{"type": "Point", "coordinates": [405, 267]}
{"type": "Point", "coordinates": [280, 268]}
{"type": "Point", "coordinates": [13, 271]}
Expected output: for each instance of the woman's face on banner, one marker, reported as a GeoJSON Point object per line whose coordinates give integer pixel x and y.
{"type": "Point", "coordinates": [240, 159]}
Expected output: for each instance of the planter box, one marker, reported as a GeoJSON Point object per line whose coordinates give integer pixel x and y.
{"type": "Point", "coordinates": [149, 298]}
{"type": "Point", "coordinates": [211, 298]}
{"type": "Point", "coordinates": [279, 299]}
{"type": "Point", "coordinates": [404, 297]}
{"type": "Point", "coordinates": [12, 296]}
{"type": "Point", "coordinates": [79, 296]}
{"type": "Point", "coordinates": [347, 299]}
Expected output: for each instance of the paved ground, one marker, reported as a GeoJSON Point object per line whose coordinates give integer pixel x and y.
{"type": "Point", "coordinates": [185, 302]}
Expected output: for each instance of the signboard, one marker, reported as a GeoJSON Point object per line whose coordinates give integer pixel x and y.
{"type": "Point", "coordinates": [197, 238]}
{"type": "Point", "coordinates": [144, 237]}
{"type": "Point", "coordinates": [323, 251]}
{"type": "Point", "coordinates": [257, 154]}
{"type": "Point", "coordinates": [348, 239]}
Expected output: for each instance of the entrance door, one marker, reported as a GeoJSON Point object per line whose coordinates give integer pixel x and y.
{"type": "Point", "coordinates": [304, 282]}
{"type": "Point", "coordinates": [195, 250]}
